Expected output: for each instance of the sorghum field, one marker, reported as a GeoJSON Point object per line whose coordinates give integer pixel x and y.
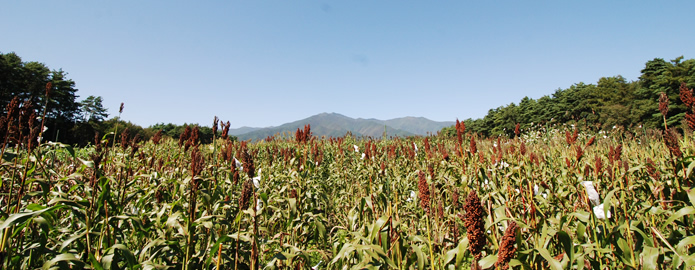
{"type": "Point", "coordinates": [550, 198]}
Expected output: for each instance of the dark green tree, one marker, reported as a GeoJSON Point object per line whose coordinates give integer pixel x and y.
{"type": "Point", "coordinates": [93, 110]}
{"type": "Point", "coordinates": [28, 80]}
{"type": "Point", "coordinates": [11, 72]}
{"type": "Point", "coordinates": [661, 76]}
{"type": "Point", "coordinates": [614, 96]}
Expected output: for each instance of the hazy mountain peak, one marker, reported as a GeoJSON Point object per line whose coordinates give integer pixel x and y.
{"type": "Point", "coordinates": [337, 125]}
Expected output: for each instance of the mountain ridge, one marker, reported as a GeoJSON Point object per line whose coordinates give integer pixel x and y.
{"type": "Point", "coordinates": [338, 125]}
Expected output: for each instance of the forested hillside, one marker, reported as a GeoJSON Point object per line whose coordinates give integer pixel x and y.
{"type": "Point", "coordinates": [610, 102]}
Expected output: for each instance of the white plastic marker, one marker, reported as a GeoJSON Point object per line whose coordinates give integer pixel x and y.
{"type": "Point", "coordinates": [593, 197]}
{"type": "Point", "coordinates": [257, 179]}
{"type": "Point", "coordinates": [591, 192]}
{"type": "Point", "coordinates": [598, 211]}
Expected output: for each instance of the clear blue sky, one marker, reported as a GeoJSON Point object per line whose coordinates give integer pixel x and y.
{"type": "Point", "coordinates": [265, 63]}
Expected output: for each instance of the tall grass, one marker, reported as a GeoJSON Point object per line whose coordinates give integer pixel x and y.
{"type": "Point", "coordinates": [169, 204]}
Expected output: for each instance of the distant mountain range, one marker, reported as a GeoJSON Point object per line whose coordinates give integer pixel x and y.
{"type": "Point", "coordinates": [337, 125]}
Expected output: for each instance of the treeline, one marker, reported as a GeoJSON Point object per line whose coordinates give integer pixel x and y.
{"type": "Point", "coordinates": [54, 101]}
{"type": "Point", "coordinates": [611, 102]}
{"type": "Point", "coordinates": [117, 126]}
{"type": "Point", "coordinates": [49, 92]}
